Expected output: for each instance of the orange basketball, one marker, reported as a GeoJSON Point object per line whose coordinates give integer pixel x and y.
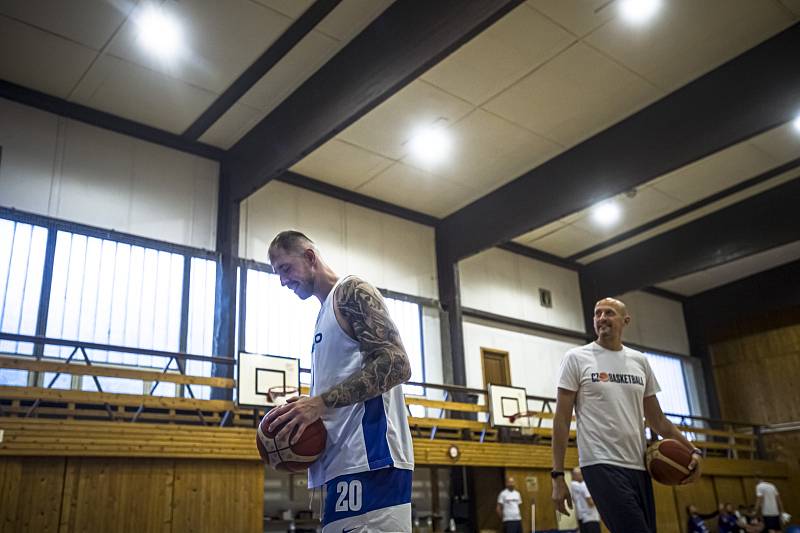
{"type": "Point", "coordinates": [281, 455]}
{"type": "Point", "coordinates": [668, 461]}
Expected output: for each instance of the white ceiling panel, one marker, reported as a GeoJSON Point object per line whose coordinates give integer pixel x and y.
{"type": "Point", "coordinates": [792, 5]}
{"type": "Point", "coordinates": [528, 238]}
{"type": "Point", "coordinates": [501, 55]}
{"type": "Point", "coordinates": [291, 8]}
{"type": "Point", "coordinates": [222, 39]}
{"type": "Point", "coordinates": [489, 151]}
{"type": "Point", "coordinates": [714, 173]}
{"type": "Point", "coordinates": [704, 280]}
{"type": "Point", "coordinates": [694, 215]}
{"type": "Point", "coordinates": [416, 189]}
{"type": "Point", "coordinates": [386, 129]}
{"type": "Point", "coordinates": [577, 94]}
{"type": "Point", "coordinates": [688, 37]}
{"type": "Point", "coordinates": [291, 71]}
{"type": "Point", "coordinates": [40, 60]}
{"type": "Point", "coordinates": [647, 205]}
{"type": "Point", "coordinates": [140, 94]}
{"type": "Point", "coordinates": [565, 241]}
{"type": "Point", "coordinates": [342, 164]}
{"type": "Point", "coordinates": [578, 16]}
{"type": "Point", "coordinates": [351, 17]}
{"type": "Point", "coordinates": [231, 126]}
{"type": "Point", "coordinates": [87, 22]}
{"type": "Point", "coordinates": [782, 143]}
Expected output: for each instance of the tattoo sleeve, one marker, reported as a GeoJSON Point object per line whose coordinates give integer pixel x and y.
{"type": "Point", "coordinates": [386, 363]}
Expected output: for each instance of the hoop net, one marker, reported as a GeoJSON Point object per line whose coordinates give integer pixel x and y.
{"type": "Point", "coordinates": [280, 394]}
{"type": "Point", "coordinates": [527, 429]}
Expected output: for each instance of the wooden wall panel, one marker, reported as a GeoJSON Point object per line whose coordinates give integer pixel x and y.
{"type": "Point", "coordinates": [30, 494]}
{"type": "Point", "coordinates": [668, 519]}
{"type": "Point", "coordinates": [757, 366]}
{"type": "Point", "coordinates": [117, 495]}
{"type": "Point", "coordinates": [729, 490]}
{"type": "Point", "coordinates": [220, 496]}
{"type": "Point", "coordinates": [700, 494]}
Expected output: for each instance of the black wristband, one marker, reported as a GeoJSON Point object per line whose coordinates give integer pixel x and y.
{"type": "Point", "coordinates": [556, 473]}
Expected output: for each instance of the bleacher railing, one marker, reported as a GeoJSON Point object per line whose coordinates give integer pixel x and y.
{"type": "Point", "coordinates": [441, 412]}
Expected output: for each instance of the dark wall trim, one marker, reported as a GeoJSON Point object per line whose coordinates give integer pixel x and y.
{"type": "Point", "coordinates": [100, 233]}
{"type": "Point", "coordinates": [532, 253]}
{"type": "Point", "coordinates": [403, 42]}
{"type": "Point", "coordinates": [452, 328]}
{"type": "Point", "coordinates": [524, 324]}
{"type": "Point", "coordinates": [761, 222]}
{"type": "Point", "coordinates": [762, 84]}
{"type": "Point", "coordinates": [304, 182]}
{"type": "Point", "coordinates": [387, 293]}
{"type": "Point", "coordinates": [277, 51]}
{"type": "Point", "coordinates": [764, 176]}
{"type": "Point", "coordinates": [101, 119]}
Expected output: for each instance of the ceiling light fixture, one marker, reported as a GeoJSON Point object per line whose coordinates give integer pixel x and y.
{"type": "Point", "coordinates": [158, 31]}
{"type": "Point", "coordinates": [606, 213]}
{"type": "Point", "coordinates": [639, 11]}
{"type": "Point", "coordinates": [796, 124]}
{"type": "Point", "coordinates": [430, 145]}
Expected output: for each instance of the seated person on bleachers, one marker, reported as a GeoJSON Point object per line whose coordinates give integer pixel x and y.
{"type": "Point", "coordinates": [728, 522]}
{"type": "Point", "coordinates": [697, 522]}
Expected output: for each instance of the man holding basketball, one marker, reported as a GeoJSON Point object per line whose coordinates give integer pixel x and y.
{"type": "Point", "coordinates": [358, 363]}
{"type": "Point", "coordinates": [613, 390]}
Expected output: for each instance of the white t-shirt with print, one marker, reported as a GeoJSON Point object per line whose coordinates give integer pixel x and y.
{"type": "Point", "coordinates": [585, 512]}
{"type": "Point", "coordinates": [611, 387]}
{"type": "Point", "coordinates": [769, 493]}
{"type": "Point", "coordinates": [510, 500]}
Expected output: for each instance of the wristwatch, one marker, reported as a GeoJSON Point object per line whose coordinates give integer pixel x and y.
{"type": "Point", "coordinates": [556, 473]}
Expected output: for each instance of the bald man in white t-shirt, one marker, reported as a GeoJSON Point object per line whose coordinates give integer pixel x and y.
{"type": "Point", "coordinates": [613, 390]}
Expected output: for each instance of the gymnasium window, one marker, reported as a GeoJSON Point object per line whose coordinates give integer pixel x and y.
{"type": "Point", "coordinates": [674, 397]}
{"type": "Point", "coordinates": [22, 255]}
{"type": "Point", "coordinates": [277, 322]}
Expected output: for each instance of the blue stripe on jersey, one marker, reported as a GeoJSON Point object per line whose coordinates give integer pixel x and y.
{"type": "Point", "coordinates": [378, 489]}
{"type": "Point", "coordinates": [374, 427]}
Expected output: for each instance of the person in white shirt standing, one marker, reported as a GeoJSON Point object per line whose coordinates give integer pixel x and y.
{"type": "Point", "coordinates": [588, 517]}
{"type": "Point", "coordinates": [613, 391]}
{"type": "Point", "coordinates": [769, 505]}
{"type": "Point", "coordinates": [508, 502]}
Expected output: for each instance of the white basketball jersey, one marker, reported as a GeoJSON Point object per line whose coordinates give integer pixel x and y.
{"type": "Point", "coordinates": [364, 436]}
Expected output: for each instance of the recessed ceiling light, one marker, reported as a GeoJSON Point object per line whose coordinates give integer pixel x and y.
{"type": "Point", "coordinates": [430, 145]}
{"type": "Point", "coordinates": [606, 213]}
{"type": "Point", "coordinates": [158, 31]}
{"type": "Point", "coordinates": [796, 123]}
{"type": "Point", "coordinates": [639, 11]}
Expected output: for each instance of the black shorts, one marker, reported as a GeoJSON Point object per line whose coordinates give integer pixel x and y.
{"type": "Point", "coordinates": [590, 527]}
{"type": "Point", "coordinates": [772, 522]}
{"type": "Point", "coordinates": [512, 526]}
{"type": "Point", "coordinates": [623, 496]}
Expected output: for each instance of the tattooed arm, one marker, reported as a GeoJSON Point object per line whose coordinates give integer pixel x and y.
{"type": "Point", "coordinates": [386, 363]}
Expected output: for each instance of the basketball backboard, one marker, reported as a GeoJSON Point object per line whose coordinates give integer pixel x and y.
{"type": "Point", "coordinates": [257, 374]}
{"type": "Point", "coordinates": [506, 402]}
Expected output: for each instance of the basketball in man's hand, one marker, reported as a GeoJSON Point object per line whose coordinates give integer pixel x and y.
{"type": "Point", "coordinates": [281, 455]}
{"type": "Point", "coordinates": [668, 461]}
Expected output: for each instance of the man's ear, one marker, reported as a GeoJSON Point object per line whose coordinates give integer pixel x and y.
{"type": "Point", "coordinates": [310, 256]}
{"type": "Point", "coordinates": [627, 320]}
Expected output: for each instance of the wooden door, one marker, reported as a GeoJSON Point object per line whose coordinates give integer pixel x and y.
{"type": "Point", "coordinates": [495, 367]}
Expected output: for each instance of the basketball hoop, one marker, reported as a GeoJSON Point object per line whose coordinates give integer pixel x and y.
{"type": "Point", "coordinates": [280, 394]}
{"type": "Point", "coordinates": [526, 429]}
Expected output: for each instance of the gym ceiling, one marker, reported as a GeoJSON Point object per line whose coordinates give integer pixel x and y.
{"type": "Point", "coordinates": [657, 155]}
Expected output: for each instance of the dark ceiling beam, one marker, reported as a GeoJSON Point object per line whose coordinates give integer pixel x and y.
{"type": "Point", "coordinates": [759, 223]}
{"type": "Point", "coordinates": [403, 42]}
{"type": "Point", "coordinates": [764, 176]}
{"type": "Point", "coordinates": [664, 293]}
{"type": "Point", "coordinates": [767, 291]}
{"type": "Point", "coordinates": [101, 119]}
{"type": "Point", "coordinates": [304, 182]}
{"type": "Point", "coordinates": [762, 86]}
{"type": "Point", "coordinates": [277, 51]}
